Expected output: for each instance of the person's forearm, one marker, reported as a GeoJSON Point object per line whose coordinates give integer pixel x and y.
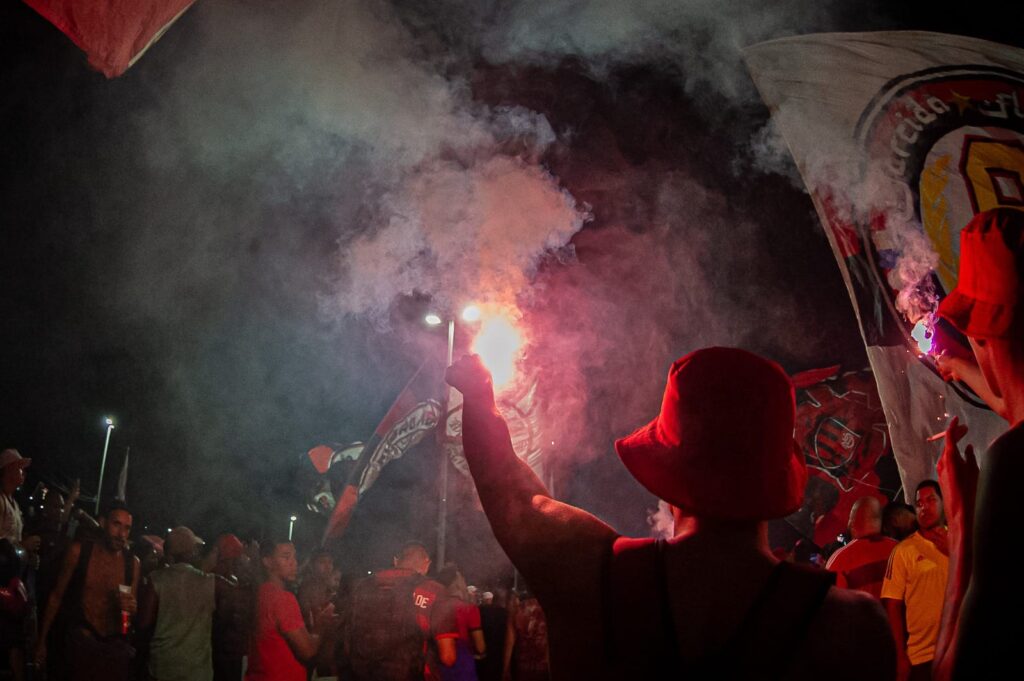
{"type": "Point", "coordinates": [52, 605]}
{"type": "Point", "coordinates": [506, 484]}
{"type": "Point", "coordinates": [894, 609]}
{"type": "Point", "coordinates": [961, 531]}
{"type": "Point", "coordinates": [970, 373]}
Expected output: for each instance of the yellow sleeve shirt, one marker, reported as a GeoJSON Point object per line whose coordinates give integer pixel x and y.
{"type": "Point", "coordinates": [916, 575]}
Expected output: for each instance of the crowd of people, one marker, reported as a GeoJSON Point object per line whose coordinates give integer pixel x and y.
{"type": "Point", "coordinates": [918, 593]}
{"type": "Point", "coordinates": [79, 601]}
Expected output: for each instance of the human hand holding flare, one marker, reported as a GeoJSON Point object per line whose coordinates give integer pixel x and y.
{"type": "Point", "coordinates": [470, 377]}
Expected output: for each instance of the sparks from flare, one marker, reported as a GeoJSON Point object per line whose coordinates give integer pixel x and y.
{"type": "Point", "coordinates": [498, 344]}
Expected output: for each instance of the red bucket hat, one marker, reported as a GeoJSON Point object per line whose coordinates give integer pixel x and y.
{"type": "Point", "coordinates": [988, 290]}
{"type": "Point", "coordinates": [722, 445]}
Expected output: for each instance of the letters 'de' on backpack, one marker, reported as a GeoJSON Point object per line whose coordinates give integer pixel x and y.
{"type": "Point", "coordinates": [386, 642]}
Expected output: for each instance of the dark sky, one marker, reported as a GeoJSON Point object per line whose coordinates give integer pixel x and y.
{"type": "Point", "coordinates": [173, 249]}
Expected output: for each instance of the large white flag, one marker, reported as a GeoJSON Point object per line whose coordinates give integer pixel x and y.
{"type": "Point", "coordinates": [900, 137]}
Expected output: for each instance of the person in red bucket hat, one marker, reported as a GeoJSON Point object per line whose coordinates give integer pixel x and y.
{"type": "Point", "coordinates": [987, 306]}
{"type": "Point", "coordinates": [710, 602]}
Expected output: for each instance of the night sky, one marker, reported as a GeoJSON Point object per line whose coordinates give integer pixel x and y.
{"type": "Point", "coordinates": [177, 243]}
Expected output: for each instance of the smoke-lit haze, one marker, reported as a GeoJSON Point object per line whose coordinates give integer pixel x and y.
{"type": "Point", "coordinates": [239, 237]}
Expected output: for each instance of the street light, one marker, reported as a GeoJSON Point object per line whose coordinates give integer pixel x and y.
{"type": "Point", "coordinates": [103, 462]}
{"type": "Point", "coordinates": [291, 526]}
{"type": "Point", "coordinates": [470, 313]}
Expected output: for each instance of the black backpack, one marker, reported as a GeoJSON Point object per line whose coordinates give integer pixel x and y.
{"type": "Point", "coordinates": [386, 642]}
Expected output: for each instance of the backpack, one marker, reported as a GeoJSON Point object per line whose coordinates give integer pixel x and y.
{"type": "Point", "coordinates": [762, 649]}
{"type": "Point", "coordinates": [386, 642]}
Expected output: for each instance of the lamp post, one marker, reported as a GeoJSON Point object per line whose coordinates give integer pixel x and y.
{"type": "Point", "coordinates": [103, 462]}
{"type": "Point", "coordinates": [291, 526]}
{"type": "Point", "coordinates": [470, 313]}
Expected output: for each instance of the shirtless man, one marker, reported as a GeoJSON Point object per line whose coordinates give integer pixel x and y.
{"type": "Point", "coordinates": [712, 601]}
{"type": "Point", "coordinates": [95, 572]}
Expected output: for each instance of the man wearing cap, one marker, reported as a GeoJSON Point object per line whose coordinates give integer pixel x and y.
{"type": "Point", "coordinates": [987, 306]}
{"type": "Point", "coordinates": [235, 596]}
{"type": "Point", "coordinates": [180, 600]}
{"type": "Point", "coordinates": [712, 600]}
{"type": "Point", "coordinates": [12, 476]}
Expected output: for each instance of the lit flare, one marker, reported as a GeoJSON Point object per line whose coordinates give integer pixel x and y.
{"type": "Point", "coordinates": [924, 335]}
{"type": "Point", "coordinates": [498, 344]}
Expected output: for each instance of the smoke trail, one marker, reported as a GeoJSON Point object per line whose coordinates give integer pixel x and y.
{"type": "Point", "coordinates": [661, 522]}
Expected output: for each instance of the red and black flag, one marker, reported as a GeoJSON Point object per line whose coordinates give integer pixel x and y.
{"type": "Point", "coordinates": [415, 412]}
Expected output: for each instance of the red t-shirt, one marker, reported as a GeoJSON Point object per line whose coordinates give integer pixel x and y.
{"type": "Point", "coordinates": [271, 659]}
{"type": "Point", "coordinates": [467, 617]}
{"type": "Point", "coordinates": [860, 565]}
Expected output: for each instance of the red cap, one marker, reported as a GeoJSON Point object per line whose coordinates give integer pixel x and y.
{"type": "Point", "coordinates": [229, 547]}
{"type": "Point", "coordinates": [722, 445]}
{"type": "Point", "coordinates": [988, 289]}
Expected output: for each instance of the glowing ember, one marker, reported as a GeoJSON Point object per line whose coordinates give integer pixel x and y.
{"type": "Point", "coordinates": [498, 345]}
{"type": "Point", "coordinates": [923, 335]}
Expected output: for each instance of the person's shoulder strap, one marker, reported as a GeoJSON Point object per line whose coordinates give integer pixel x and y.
{"type": "Point", "coordinates": [778, 622]}
{"type": "Point", "coordinates": [81, 567]}
{"type": "Point", "coordinates": [129, 567]}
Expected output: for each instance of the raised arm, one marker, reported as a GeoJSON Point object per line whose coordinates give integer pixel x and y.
{"type": "Point", "coordinates": [543, 537]}
{"type": "Point", "coordinates": [958, 478]}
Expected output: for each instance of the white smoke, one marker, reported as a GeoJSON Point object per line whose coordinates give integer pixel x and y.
{"type": "Point", "coordinates": [661, 522]}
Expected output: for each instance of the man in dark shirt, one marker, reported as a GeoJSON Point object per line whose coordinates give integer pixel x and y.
{"type": "Point", "coordinates": [721, 452]}
{"type": "Point", "coordinates": [987, 306]}
{"type": "Point", "coordinates": [403, 625]}
{"type": "Point", "coordinates": [236, 602]}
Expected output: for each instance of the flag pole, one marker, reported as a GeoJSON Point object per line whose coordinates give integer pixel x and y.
{"type": "Point", "coordinates": [442, 511]}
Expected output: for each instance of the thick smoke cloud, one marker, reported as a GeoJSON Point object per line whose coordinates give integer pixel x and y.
{"type": "Point", "coordinates": [360, 122]}
{"type": "Point", "coordinates": [275, 182]}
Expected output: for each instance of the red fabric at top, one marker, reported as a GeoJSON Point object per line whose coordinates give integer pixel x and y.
{"type": "Point", "coordinates": [112, 33]}
{"type": "Point", "coordinates": [277, 612]}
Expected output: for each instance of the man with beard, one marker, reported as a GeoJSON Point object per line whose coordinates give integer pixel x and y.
{"type": "Point", "coordinates": [914, 586]}
{"type": "Point", "coordinates": [99, 580]}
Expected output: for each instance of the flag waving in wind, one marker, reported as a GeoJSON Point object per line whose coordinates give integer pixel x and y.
{"type": "Point", "coordinates": [900, 138]}
{"type": "Point", "coordinates": [112, 33]}
{"type": "Point", "coordinates": [415, 412]}
{"type": "Point", "coordinates": [122, 479]}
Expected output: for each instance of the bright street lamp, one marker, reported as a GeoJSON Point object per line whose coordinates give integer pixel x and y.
{"type": "Point", "coordinates": [103, 462]}
{"type": "Point", "coordinates": [470, 313]}
{"type": "Point", "coordinates": [291, 526]}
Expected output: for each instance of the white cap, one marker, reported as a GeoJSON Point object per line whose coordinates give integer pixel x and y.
{"type": "Point", "coordinates": [12, 456]}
